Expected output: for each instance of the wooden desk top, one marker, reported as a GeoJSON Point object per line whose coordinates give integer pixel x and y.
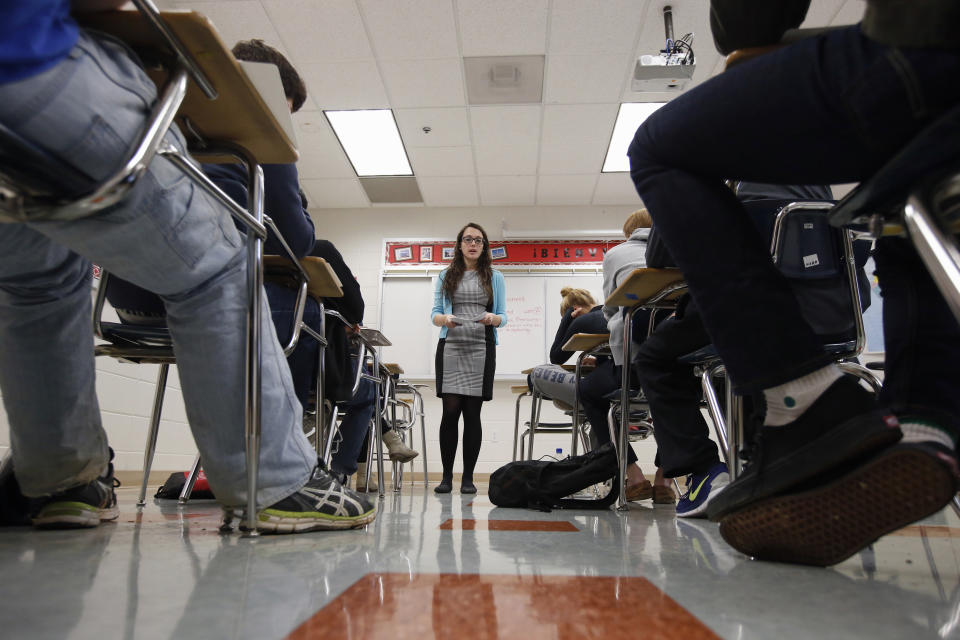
{"type": "Point", "coordinates": [373, 337]}
{"type": "Point", "coordinates": [393, 368]}
{"type": "Point", "coordinates": [643, 284]}
{"type": "Point", "coordinates": [519, 388]}
{"type": "Point", "coordinates": [585, 341]}
{"type": "Point", "coordinates": [238, 115]}
{"type": "Point", "coordinates": [322, 283]}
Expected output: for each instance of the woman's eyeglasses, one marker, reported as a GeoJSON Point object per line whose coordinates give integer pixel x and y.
{"type": "Point", "coordinates": [471, 240]}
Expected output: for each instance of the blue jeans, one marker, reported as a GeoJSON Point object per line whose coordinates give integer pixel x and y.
{"type": "Point", "coordinates": [168, 237]}
{"type": "Point", "coordinates": [827, 110]}
{"type": "Point", "coordinates": [303, 361]}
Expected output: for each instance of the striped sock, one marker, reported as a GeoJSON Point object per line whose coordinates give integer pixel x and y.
{"type": "Point", "coordinates": [787, 402]}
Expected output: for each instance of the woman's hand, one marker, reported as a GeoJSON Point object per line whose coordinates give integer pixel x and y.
{"type": "Point", "coordinates": [490, 319]}
{"type": "Point", "coordinates": [449, 321]}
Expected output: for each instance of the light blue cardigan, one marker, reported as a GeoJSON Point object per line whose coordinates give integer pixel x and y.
{"type": "Point", "coordinates": [441, 304]}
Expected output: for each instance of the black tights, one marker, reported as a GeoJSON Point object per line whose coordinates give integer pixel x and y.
{"type": "Point", "coordinates": [453, 406]}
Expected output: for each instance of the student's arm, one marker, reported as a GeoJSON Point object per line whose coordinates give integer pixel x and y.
{"type": "Point", "coordinates": [557, 354]}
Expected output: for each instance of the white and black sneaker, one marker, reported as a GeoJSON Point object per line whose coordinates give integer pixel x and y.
{"type": "Point", "coordinates": [322, 504]}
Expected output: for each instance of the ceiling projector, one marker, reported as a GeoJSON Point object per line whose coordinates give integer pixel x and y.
{"type": "Point", "coordinates": [671, 68]}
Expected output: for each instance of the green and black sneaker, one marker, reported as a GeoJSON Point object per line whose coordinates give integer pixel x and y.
{"type": "Point", "coordinates": [83, 506]}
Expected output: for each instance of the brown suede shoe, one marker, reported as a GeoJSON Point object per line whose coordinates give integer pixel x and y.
{"type": "Point", "coordinates": [640, 491]}
{"type": "Point", "coordinates": [663, 495]}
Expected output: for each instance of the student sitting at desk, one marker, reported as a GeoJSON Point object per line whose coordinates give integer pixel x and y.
{"type": "Point", "coordinates": [581, 314]}
{"type": "Point", "coordinates": [59, 83]}
{"type": "Point", "coordinates": [618, 263]}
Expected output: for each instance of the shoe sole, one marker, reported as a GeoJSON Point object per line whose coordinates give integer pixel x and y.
{"type": "Point", "coordinates": [867, 433]}
{"type": "Point", "coordinates": [828, 524]}
{"type": "Point", "coordinates": [73, 515]}
{"type": "Point", "coordinates": [399, 457]}
{"type": "Point", "coordinates": [268, 523]}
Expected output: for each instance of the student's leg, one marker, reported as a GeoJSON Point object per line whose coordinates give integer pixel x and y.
{"type": "Point", "coordinates": [354, 429]}
{"type": "Point", "coordinates": [554, 382]}
{"type": "Point", "coordinates": [303, 360]}
{"type": "Point", "coordinates": [166, 237]}
{"type": "Point", "coordinates": [673, 391]}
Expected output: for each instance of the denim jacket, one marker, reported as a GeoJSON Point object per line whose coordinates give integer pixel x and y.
{"type": "Point", "coordinates": [442, 304]}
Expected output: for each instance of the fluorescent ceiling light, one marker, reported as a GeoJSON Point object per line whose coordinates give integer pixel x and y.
{"type": "Point", "coordinates": [371, 141]}
{"type": "Point", "coordinates": [631, 116]}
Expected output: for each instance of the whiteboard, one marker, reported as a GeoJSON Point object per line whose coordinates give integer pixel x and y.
{"type": "Point", "coordinates": [533, 315]}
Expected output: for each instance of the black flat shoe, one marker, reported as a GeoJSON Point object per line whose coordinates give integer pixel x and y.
{"type": "Point", "coordinates": [445, 486]}
{"type": "Point", "coordinates": [468, 487]}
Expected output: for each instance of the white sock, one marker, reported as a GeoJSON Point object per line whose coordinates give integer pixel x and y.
{"type": "Point", "coordinates": [918, 431]}
{"type": "Point", "coordinates": [787, 402]}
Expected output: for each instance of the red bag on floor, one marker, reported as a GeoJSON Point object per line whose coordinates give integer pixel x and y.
{"type": "Point", "coordinates": [170, 490]}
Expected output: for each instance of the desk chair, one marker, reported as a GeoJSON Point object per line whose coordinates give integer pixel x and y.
{"type": "Point", "coordinates": [522, 391]}
{"type": "Point", "coordinates": [234, 122]}
{"type": "Point", "coordinates": [412, 410]}
{"type": "Point", "coordinates": [643, 289]}
{"type": "Point", "coordinates": [837, 262]}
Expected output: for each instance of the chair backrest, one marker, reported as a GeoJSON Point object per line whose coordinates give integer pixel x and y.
{"type": "Point", "coordinates": [819, 261]}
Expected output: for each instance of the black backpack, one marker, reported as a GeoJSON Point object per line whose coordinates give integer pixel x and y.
{"type": "Point", "coordinates": [544, 484]}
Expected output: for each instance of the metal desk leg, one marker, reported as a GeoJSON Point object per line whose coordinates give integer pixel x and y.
{"type": "Point", "coordinates": [625, 407]}
{"type": "Point", "coordinates": [154, 428]}
{"type": "Point", "coordinates": [255, 284]}
{"type": "Point", "coordinates": [516, 424]}
{"type": "Point", "coordinates": [713, 408]}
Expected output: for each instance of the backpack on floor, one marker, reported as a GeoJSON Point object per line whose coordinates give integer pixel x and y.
{"type": "Point", "coordinates": [170, 490]}
{"type": "Point", "coordinates": [544, 484]}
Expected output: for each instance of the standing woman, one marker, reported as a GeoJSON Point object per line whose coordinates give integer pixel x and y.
{"type": "Point", "coordinates": [469, 302]}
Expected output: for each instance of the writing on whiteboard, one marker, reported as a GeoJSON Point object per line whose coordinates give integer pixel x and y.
{"type": "Point", "coordinates": [524, 317]}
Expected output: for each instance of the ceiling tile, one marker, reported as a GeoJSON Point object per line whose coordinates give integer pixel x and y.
{"type": "Point", "coordinates": [411, 29]}
{"type": "Point", "coordinates": [502, 27]}
{"type": "Point", "coordinates": [575, 137]}
{"type": "Point", "coordinates": [424, 83]}
{"type": "Point", "coordinates": [506, 139]}
{"type": "Point", "coordinates": [616, 188]}
{"type": "Point", "coordinates": [237, 21]}
{"type": "Point", "coordinates": [441, 161]}
{"type": "Point", "coordinates": [392, 189]}
{"type": "Point", "coordinates": [448, 127]}
{"type": "Point", "coordinates": [320, 31]}
{"type": "Point", "coordinates": [584, 79]}
{"type": "Point", "coordinates": [566, 189]}
{"type": "Point", "coordinates": [335, 193]}
{"type": "Point", "coordinates": [321, 155]}
{"type": "Point", "coordinates": [507, 190]}
{"type": "Point", "coordinates": [345, 85]}
{"type": "Point", "coordinates": [595, 26]}
{"type": "Point", "coordinates": [449, 192]}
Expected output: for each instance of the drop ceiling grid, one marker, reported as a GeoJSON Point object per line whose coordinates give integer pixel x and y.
{"type": "Point", "coordinates": [407, 54]}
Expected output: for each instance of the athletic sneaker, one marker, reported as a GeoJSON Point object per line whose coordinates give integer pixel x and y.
{"type": "Point", "coordinates": [701, 489]}
{"type": "Point", "coordinates": [321, 505]}
{"type": "Point", "coordinates": [831, 518]}
{"type": "Point", "coordinates": [83, 506]}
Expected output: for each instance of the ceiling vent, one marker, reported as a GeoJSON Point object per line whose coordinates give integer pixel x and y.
{"type": "Point", "coordinates": [504, 79]}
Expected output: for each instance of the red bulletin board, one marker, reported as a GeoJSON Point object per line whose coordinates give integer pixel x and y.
{"type": "Point", "coordinates": [513, 252]}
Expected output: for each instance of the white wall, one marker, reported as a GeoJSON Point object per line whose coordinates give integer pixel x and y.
{"type": "Point", "coordinates": [126, 390]}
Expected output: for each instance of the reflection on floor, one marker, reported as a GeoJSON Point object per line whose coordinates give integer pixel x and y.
{"type": "Point", "coordinates": [454, 566]}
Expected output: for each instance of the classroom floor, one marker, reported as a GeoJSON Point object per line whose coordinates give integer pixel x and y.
{"type": "Point", "coordinates": [456, 567]}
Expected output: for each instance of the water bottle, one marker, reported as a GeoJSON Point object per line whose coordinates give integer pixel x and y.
{"type": "Point", "coordinates": [559, 453]}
